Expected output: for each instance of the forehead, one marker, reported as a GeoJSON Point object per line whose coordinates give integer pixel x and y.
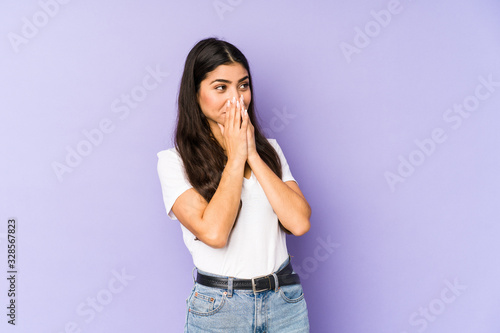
{"type": "Point", "coordinates": [232, 72]}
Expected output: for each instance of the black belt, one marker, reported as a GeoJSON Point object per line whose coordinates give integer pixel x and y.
{"type": "Point", "coordinates": [257, 284]}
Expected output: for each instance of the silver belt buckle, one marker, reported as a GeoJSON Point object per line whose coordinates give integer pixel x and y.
{"type": "Point", "coordinates": [259, 277]}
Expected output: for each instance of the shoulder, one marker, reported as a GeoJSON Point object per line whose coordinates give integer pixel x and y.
{"type": "Point", "coordinates": [273, 143]}
{"type": "Point", "coordinates": [169, 159]}
{"type": "Point", "coordinates": [168, 153]}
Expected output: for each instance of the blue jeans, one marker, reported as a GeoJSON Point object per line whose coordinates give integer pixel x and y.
{"type": "Point", "coordinates": [212, 309]}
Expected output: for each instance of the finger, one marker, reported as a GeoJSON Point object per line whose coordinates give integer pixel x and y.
{"type": "Point", "coordinates": [226, 118]}
{"type": "Point", "coordinates": [236, 120]}
{"type": "Point", "coordinates": [221, 128]}
{"type": "Point", "coordinates": [245, 121]}
{"type": "Point", "coordinates": [248, 117]}
{"type": "Point", "coordinates": [242, 107]}
{"type": "Point", "coordinates": [231, 116]}
{"type": "Point", "coordinates": [242, 103]}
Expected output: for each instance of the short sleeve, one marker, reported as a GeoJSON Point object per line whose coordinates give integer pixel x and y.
{"type": "Point", "coordinates": [285, 169]}
{"type": "Point", "coordinates": [173, 178]}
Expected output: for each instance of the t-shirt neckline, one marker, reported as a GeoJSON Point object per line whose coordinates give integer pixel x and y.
{"type": "Point", "coordinates": [249, 179]}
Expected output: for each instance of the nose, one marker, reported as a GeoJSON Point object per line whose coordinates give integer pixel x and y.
{"type": "Point", "coordinates": [233, 92]}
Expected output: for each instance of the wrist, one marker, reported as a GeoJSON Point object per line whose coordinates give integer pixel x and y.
{"type": "Point", "coordinates": [235, 163]}
{"type": "Point", "coordinates": [253, 158]}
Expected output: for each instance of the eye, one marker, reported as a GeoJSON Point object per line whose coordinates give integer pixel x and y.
{"type": "Point", "coordinates": [244, 85]}
{"type": "Point", "coordinates": [220, 88]}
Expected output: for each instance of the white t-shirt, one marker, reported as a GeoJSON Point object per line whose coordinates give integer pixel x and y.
{"type": "Point", "coordinates": [256, 244]}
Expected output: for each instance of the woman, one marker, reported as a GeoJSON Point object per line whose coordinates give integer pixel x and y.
{"type": "Point", "coordinates": [235, 197]}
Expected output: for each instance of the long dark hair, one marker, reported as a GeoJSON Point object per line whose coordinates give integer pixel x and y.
{"type": "Point", "coordinates": [201, 153]}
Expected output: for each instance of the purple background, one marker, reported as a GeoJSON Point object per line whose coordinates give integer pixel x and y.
{"type": "Point", "coordinates": [350, 119]}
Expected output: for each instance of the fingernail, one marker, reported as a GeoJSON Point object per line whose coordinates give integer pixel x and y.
{"type": "Point", "coordinates": [246, 111]}
{"type": "Point", "coordinates": [234, 99]}
{"type": "Point", "coordinates": [237, 104]}
{"type": "Point", "coordinates": [228, 102]}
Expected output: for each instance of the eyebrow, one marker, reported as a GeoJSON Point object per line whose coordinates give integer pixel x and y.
{"type": "Point", "coordinates": [227, 81]}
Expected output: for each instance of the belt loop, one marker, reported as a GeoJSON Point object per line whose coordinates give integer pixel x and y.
{"type": "Point", "coordinates": [276, 283]}
{"type": "Point", "coordinates": [230, 287]}
{"type": "Point", "coordinates": [192, 273]}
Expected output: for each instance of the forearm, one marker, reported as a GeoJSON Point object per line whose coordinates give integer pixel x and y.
{"type": "Point", "coordinates": [220, 213]}
{"type": "Point", "coordinates": [292, 209]}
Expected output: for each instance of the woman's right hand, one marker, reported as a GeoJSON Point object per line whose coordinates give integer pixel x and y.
{"type": "Point", "coordinates": [234, 131]}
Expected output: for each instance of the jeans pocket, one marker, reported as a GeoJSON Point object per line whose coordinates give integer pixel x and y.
{"type": "Point", "coordinates": [292, 293]}
{"type": "Point", "coordinates": [190, 294]}
{"type": "Point", "coordinates": [206, 301]}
